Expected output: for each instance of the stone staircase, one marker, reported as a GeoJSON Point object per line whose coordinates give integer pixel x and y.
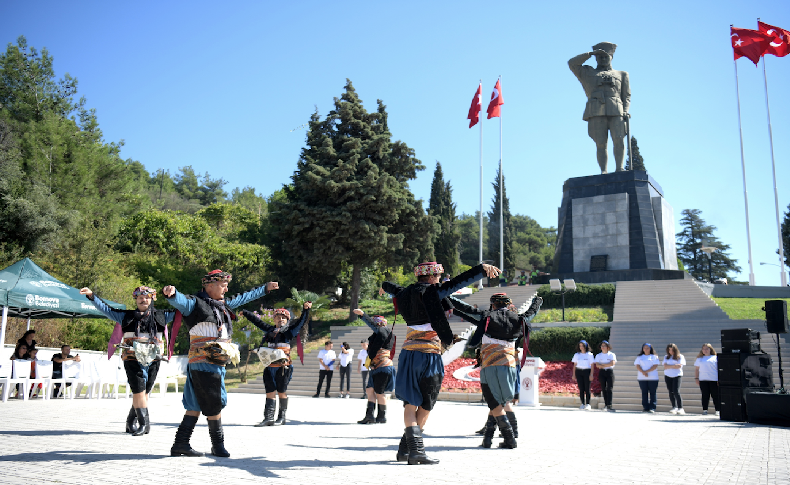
{"type": "Point", "coordinates": [305, 377]}
{"type": "Point", "coordinates": [664, 312]}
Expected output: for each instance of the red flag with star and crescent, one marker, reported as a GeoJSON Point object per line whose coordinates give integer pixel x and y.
{"type": "Point", "coordinates": [778, 45]}
{"type": "Point", "coordinates": [494, 110]}
{"type": "Point", "coordinates": [477, 103]}
{"type": "Point", "coordinates": [749, 43]}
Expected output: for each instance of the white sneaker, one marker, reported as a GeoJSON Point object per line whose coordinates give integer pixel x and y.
{"type": "Point", "coordinates": [588, 407]}
{"type": "Point", "coordinates": [348, 396]}
{"type": "Point", "coordinates": [681, 412]}
{"type": "Point", "coordinates": [673, 411]}
{"type": "Point", "coordinates": [704, 412]}
{"type": "Point", "coordinates": [581, 407]}
{"type": "Point", "coordinates": [717, 413]}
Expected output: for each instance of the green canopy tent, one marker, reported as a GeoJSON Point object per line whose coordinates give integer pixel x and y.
{"type": "Point", "coordinates": [27, 291]}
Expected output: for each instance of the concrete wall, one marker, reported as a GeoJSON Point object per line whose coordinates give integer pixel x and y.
{"type": "Point", "coordinates": [665, 218]}
{"type": "Point", "coordinates": [741, 291]}
{"type": "Point", "coordinates": [600, 226]}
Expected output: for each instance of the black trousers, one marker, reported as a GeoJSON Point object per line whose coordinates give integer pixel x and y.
{"type": "Point", "coordinates": [321, 374]}
{"type": "Point", "coordinates": [709, 389]}
{"type": "Point", "coordinates": [364, 378]}
{"type": "Point", "coordinates": [673, 387]}
{"type": "Point", "coordinates": [606, 378]}
{"type": "Point", "coordinates": [583, 380]}
{"type": "Point", "coordinates": [345, 372]}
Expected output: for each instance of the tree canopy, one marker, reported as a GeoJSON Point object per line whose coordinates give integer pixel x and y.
{"type": "Point", "coordinates": [690, 240]}
{"type": "Point", "coordinates": [442, 208]}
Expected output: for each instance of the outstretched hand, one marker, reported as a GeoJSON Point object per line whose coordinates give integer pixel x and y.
{"type": "Point", "coordinates": [359, 312]}
{"type": "Point", "coordinates": [381, 291]}
{"type": "Point", "coordinates": [307, 304]}
{"type": "Point", "coordinates": [169, 291]}
{"type": "Point", "coordinates": [491, 271]}
{"type": "Point", "coordinates": [86, 291]}
{"type": "Point", "coordinates": [272, 285]}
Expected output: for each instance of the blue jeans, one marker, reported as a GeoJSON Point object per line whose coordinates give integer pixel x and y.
{"type": "Point", "coordinates": [648, 387]}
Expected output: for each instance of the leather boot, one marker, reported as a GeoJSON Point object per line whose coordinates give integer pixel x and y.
{"type": "Point", "coordinates": [381, 417]}
{"type": "Point", "coordinates": [507, 432]}
{"type": "Point", "coordinates": [511, 416]}
{"type": "Point", "coordinates": [403, 449]}
{"type": "Point", "coordinates": [368, 414]}
{"type": "Point", "coordinates": [283, 409]}
{"type": "Point", "coordinates": [268, 413]}
{"type": "Point", "coordinates": [417, 454]}
{"type": "Point", "coordinates": [142, 419]}
{"type": "Point", "coordinates": [130, 419]}
{"type": "Point", "coordinates": [482, 430]}
{"type": "Point", "coordinates": [181, 444]}
{"type": "Point", "coordinates": [488, 435]}
{"type": "Point", "coordinates": [217, 438]}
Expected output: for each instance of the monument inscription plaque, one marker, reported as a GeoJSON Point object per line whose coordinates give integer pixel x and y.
{"type": "Point", "coordinates": [598, 263]}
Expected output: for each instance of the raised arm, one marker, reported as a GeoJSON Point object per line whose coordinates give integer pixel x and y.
{"type": "Point", "coordinates": [111, 313]}
{"type": "Point", "coordinates": [296, 326]}
{"type": "Point", "coordinates": [467, 278]}
{"type": "Point", "coordinates": [179, 301]}
{"type": "Point", "coordinates": [251, 295]}
{"type": "Point", "coordinates": [368, 321]}
{"type": "Point", "coordinates": [466, 311]}
{"type": "Point", "coordinates": [391, 288]}
{"type": "Point", "coordinates": [257, 321]}
{"type": "Point", "coordinates": [533, 309]}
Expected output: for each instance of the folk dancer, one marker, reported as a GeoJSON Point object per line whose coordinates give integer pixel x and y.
{"type": "Point", "coordinates": [501, 327]}
{"type": "Point", "coordinates": [423, 305]}
{"type": "Point", "coordinates": [210, 321]}
{"type": "Point", "coordinates": [278, 374]}
{"type": "Point", "coordinates": [140, 331]}
{"type": "Point", "coordinates": [382, 373]}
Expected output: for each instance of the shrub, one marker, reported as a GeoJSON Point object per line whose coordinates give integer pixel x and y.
{"type": "Point", "coordinates": [559, 343]}
{"type": "Point", "coordinates": [585, 295]}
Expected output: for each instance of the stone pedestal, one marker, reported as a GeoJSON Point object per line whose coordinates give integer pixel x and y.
{"type": "Point", "coordinates": [622, 216]}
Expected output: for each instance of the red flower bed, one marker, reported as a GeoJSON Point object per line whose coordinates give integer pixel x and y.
{"type": "Point", "coordinates": [555, 378]}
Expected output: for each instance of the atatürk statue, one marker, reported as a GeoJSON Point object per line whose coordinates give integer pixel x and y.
{"type": "Point", "coordinates": [608, 98]}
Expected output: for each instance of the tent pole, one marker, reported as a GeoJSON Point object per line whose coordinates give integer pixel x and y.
{"type": "Point", "coordinates": [2, 331]}
{"type": "Point", "coordinates": [28, 320]}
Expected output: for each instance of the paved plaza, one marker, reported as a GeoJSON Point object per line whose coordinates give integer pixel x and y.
{"type": "Point", "coordinates": [81, 441]}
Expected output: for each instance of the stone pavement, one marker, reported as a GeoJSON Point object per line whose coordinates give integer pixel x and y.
{"type": "Point", "coordinates": [83, 440]}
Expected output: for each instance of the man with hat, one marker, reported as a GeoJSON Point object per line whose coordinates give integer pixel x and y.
{"type": "Point", "coordinates": [382, 372]}
{"type": "Point", "coordinates": [608, 99]}
{"type": "Point", "coordinates": [209, 318]}
{"type": "Point", "coordinates": [423, 305]}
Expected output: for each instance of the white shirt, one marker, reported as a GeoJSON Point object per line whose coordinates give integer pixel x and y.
{"type": "Point", "coordinates": [346, 358]}
{"type": "Point", "coordinates": [583, 361]}
{"type": "Point", "coordinates": [606, 358]}
{"type": "Point", "coordinates": [328, 358]}
{"type": "Point", "coordinates": [671, 361]}
{"type": "Point", "coordinates": [363, 355]}
{"type": "Point", "coordinates": [645, 362]}
{"type": "Point", "coordinates": [708, 368]}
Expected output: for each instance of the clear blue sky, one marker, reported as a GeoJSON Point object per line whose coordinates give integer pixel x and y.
{"type": "Point", "coordinates": [219, 86]}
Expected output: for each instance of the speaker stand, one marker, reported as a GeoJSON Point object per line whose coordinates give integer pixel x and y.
{"type": "Point", "coordinates": [781, 373]}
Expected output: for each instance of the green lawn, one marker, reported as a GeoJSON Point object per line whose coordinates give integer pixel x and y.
{"type": "Point", "coordinates": [743, 308]}
{"type": "Point", "coordinates": [578, 314]}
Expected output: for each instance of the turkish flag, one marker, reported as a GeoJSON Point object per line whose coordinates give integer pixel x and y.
{"type": "Point", "coordinates": [749, 43]}
{"type": "Point", "coordinates": [474, 110]}
{"type": "Point", "coordinates": [496, 101]}
{"type": "Point", "coordinates": [778, 45]}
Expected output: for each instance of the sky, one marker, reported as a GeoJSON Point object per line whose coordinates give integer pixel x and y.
{"type": "Point", "coordinates": [223, 87]}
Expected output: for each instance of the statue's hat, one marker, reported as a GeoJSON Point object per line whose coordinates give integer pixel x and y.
{"type": "Point", "coordinates": [607, 47]}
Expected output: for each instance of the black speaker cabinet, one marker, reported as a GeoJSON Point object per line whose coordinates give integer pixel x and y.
{"type": "Point", "coordinates": [733, 404]}
{"type": "Point", "coordinates": [741, 334]}
{"type": "Point", "coordinates": [739, 346]}
{"type": "Point", "coordinates": [746, 371]}
{"type": "Point", "coordinates": [776, 316]}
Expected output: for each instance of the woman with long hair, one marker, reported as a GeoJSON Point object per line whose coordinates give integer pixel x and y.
{"type": "Point", "coordinates": [673, 373]}
{"type": "Point", "coordinates": [582, 372]}
{"type": "Point", "coordinates": [647, 374]}
{"type": "Point", "coordinates": [605, 362]}
{"type": "Point", "coordinates": [706, 373]}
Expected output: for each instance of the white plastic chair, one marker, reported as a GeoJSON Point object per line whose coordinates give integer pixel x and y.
{"type": "Point", "coordinates": [106, 378]}
{"type": "Point", "coordinates": [5, 374]}
{"type": "Point", "coordinates": [20, 374]}
{"type": "Point", "coordinates": [84, 378]}
{"type": "Point", "coordinates": [43, 377]}
{"type": "Point", "coordinates": [70, 370]}
{"type": "Point", "coordinates": [167, 374]}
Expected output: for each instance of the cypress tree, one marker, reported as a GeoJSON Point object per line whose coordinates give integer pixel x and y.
{"type": "Point", "coordinates": [493, 229]}
{"type": "Point", "coordinates": [639, 162]}
{"type": "Point", "coordinates": [442, 209]}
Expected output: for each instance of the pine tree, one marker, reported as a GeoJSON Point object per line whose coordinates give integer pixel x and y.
{"type": "Point", "coordinates": [469, 238]}
{"type": "Point", "coordinates": [689, 242]}
{"type": "Point", "coordinates": [349, 200]}
{"type": "Point", "coordinates": [493, 229]}
{"type": "Point", "coordinates": [639, 162]}
{"type": "Point", "coordinates": [442, 209]}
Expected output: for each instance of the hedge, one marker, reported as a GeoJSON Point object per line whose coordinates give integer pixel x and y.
{"type": "Point", "coordinates": [585, 295]}
{"type": "Point", "coordinates": [559, 343]}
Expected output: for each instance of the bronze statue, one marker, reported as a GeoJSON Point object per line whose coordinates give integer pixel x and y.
{"type": "Point", "coordinates": [608, 98]}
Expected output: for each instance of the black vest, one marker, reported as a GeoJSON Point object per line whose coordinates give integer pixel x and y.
{"type": "Point", "coordinates": [419, 303]}
{"type": "Point", "coordinates": [129, 325]}
{"type": "Point", "coordinates": [203, 313]}
{"type": "Point", "coordinates": [379, 340]}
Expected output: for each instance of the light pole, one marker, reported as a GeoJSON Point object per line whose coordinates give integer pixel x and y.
{"type": "Point", "coordinates": [772, 264]}
{"type": "Point", "coordinates": [709, 250]}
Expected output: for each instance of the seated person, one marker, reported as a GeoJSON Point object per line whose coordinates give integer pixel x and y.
{"type": "Point", "coordinates": [57, 366]}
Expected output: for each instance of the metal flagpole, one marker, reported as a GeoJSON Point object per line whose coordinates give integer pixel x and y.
{"type": "Point", "coordinates": [481, 173]}
{"type": "Point", "coordinates": [501, 192]}
{"type": "Point", "coordinates": [743, 168]}
{"type": "Point", "coordinates": [776, 193]}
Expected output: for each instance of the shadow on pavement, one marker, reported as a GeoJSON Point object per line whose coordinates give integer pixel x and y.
{"type": "Point", "coordinates": [55, 432]}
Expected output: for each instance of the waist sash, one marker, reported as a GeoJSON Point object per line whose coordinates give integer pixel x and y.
{"type": "Point", "coordinates": [495, 354]}
{"type": "Point", "coordinates": [427, 342]}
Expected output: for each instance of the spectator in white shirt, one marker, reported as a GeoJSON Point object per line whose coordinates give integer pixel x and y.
{"type": "Point", "coordinates": [605, 362]}
{"type": "Point", "coordinates": [346, 356]}
{"type": "Point", "coordinates": [326, 365]}
{"type": "Point", "coordinates": [673, 373]}
{"type": "Point", "coordinates": [647, 375]}
{"type": "Point", "coordinates": [706, 373]}
{"type": "Point", "coordinates": [582, 372]}
{"type": "Point", "coordinates": [361, 368]}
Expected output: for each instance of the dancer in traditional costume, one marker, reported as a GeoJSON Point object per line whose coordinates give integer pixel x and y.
{"type": "Point", "coordinates": [500, 327]}
{"type": "Point", "coordinates": [209, 318]}
{"type": "Point", "coordinates": [141, 334]}
{"type": "Point", "coordinates": [423, 305]}
{"type": "Point", "coordinates": [277, 375]}
{"type": "Point", "coordinates": [382, 373]}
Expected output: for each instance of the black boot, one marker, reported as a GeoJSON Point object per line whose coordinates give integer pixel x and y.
{"type": "Point", "coordinates": [368, 414]}
{"type": "Point", "coordinates": [417, 454]}
{"type": "Point", "coordinates": [184, 432]}
{"type": "Point", "coordinates": [488, 435]}
{"type": "Point", "coordinates": [130, 426]}
{"type": "Point", "coordinates": [283, 409]}
{"type": "Point", "coordinates": [268, 413]}
{"type": "Point", "coordinates": [482, 430]}
{"type": "Point", "coordinates": [217, 438]}
{"type": "Point", "coordinates": [403, 449]}
{"type": "Point", "coordinates": [507, 432]}
{"type": "Point", "coordinates": [511, 416]}
{"type": "Point", "coordinates": [142, 419]}
{"type": "Point", "coordinates": [381, 417]}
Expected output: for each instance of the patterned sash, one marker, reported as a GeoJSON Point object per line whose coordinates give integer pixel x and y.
{"type": "Point", "coordinates": [197, 348]}
{"type": "Point", "coordinates": [381, 359]}
{"type": "Point", "coordinates": [427, 342]}
{"type": "Point", "coordinates": [285, 347]}
{"type": "Point", "coordinates": [496, 354]}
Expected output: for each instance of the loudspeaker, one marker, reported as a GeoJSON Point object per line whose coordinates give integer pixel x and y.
{"type": "Point", "coordinates": [739, 347]}
{"type": "Point", "coordinates": [741, 334]}
{"type": "Point", "coordinates": [733, 404]}
{"type": "Point", "coordinates": [776, 316]}
{"type": "Point", "coordinates": [746, 371]}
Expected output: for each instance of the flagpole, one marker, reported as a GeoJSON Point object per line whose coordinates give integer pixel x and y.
{"type": "Point", "coordinates": [481, 175]}
{"type": "Point", "coordinates": [501, 192]}
{"type": "Point", "coordinates": [743, 169]}
{"type": "Point", "coordinates": [776, 193]}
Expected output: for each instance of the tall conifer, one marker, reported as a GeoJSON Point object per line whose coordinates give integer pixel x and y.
{"type": "Point", "coordinates": [493, 229]}
{"type": "Point", "coordinates": [442, 208]}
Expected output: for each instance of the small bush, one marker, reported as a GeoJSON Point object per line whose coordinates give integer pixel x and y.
{"type": "Point", "coordinates": [559, 343]}
{"type": "Point", "coordinates": [585, 295]}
